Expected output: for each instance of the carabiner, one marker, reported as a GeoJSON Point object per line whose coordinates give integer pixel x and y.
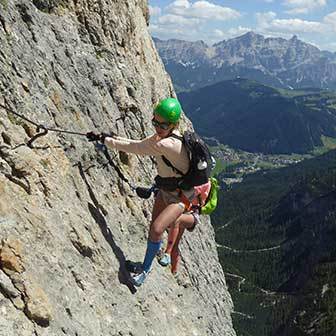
{"type": "Point", "coordinates": [38, 135]}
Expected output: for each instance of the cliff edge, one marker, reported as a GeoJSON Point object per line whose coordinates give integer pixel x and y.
{"type": "Point", "coordinates": [68, 215]}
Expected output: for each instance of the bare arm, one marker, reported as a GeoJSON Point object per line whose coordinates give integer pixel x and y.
{"type": "Point", "coordinates": [147, 146]}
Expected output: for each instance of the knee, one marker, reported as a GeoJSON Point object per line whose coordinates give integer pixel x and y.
{"type": "Point", "coordinates": [178, 222]}
{"type": "Point", "coordinates": [155, 232]}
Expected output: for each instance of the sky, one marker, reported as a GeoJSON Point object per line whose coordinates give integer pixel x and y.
{"type": "Point", "coordinates": [313, 21]}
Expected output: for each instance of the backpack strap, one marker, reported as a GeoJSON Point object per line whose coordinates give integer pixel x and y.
{"type": "Point", "coordinates": [166, 161]}
{"type": "Point", "coordinates": [169, 164]}
{"type": "Point", "coordinates": [179, 137]}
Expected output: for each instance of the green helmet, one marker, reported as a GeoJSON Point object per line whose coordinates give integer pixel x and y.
{"type": "Point", "coordinates": [169, 109]}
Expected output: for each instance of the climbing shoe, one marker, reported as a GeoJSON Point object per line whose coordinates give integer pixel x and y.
{"type": "Point", "coordinates": [139, 279]}
{"type": "Point", "coordinates": [164, 259]}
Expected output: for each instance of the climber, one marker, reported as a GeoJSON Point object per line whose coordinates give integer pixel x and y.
{"type": "Point", "coordinates": [171, 205]}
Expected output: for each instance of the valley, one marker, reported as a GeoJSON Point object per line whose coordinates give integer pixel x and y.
{"type": "Point", "coordinates": [250, 116]}
{"type": "Point", "coordinates": [267, 109]}
{"type": "Point", "coordinates": [266, 246]}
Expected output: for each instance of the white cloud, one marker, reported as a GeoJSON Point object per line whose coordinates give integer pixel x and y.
{"type": "Point", "coordinates": [264, 19]}
{"type": "Point", "coordinates": [218, 33]}
{"type": "Point", "coordinates": [296, 26]}
{"type": "Point", "coordinates": [162, 32]}
{"type": "Point", "coordinates": [154, 11]}
{"type": "Point", "coordinates": [297, 7]}
{"type": "Point", "coordinates": [188, 20]}
{"type": "Point", "coordinates": [202, 10]}
{"type": "Point", "coordinates": [176, 20]}
{"type": "Point", "coordinates": [330, 20]}
{"type": "Point", "coordinates": [196, 20]}
{"type": "Point", "coordinates": [237, 31]}
{"type": "Point", "coordinates": [179, 4]}
{"type": "Point", "coordinates": [177, 32]}
{"type": "Point", "coordinates": [269, 23]}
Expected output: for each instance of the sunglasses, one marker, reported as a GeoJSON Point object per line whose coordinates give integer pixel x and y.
{"type": "Point", "coordinates": [162, 125]}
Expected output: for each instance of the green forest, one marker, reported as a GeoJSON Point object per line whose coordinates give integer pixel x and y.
{"type": "Point", "coordinates": [276, 236]}
{"type": "Point", "coordinates": [253, 117]}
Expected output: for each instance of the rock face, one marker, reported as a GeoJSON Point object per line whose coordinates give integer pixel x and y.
{"type": "Point", "coordinates": [68, 215]}
{"type": "Point", "coordinates": [272, 61]}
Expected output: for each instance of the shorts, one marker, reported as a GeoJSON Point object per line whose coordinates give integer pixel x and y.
{"type": "Point", "coordinates": [171, 197]}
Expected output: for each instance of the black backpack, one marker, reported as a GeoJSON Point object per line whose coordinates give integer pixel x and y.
{"type": "Point", "coordinates": [200, 161]}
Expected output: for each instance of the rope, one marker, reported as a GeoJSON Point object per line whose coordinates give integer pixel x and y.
{"type": "Point", "coordinates": [43, 130]}
{"type": "Point", "coordinates": [40, 126]}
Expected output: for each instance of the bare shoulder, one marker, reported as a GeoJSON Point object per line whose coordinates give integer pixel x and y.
{"type": "Point", "coordinates": [166, 143]}
{"type": "Point", "coordinates": [171, 142]}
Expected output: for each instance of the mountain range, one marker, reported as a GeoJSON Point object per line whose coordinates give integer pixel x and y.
{"type": "Point", "coordinates": [272, 61]}
{"type": "Point", "coordinates": [250, 116]}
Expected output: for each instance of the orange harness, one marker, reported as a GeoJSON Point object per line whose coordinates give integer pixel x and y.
{"type": "Point", "coordinates": [201, 195]}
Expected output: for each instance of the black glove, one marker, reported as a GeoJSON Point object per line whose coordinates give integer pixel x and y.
{"type": "Point", "coordinates": [103, 136]}
{"type": "Point", "coordinates": [91, 136]}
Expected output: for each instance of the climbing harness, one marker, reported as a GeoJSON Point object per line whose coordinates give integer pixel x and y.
{"type": "Point", "coordinates": [40, 129]}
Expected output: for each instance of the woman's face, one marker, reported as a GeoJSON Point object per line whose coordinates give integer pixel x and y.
{"type": "Point", "coordinates": [162, 127]}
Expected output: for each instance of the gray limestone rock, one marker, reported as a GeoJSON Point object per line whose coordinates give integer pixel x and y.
{"type": "Point", "coordinates": [69, 217]}
{"type": "Point", "coordinates": [7, 287]}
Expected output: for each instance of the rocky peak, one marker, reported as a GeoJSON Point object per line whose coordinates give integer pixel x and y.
{"type": "Point", "coordinates": [294, 38]}
{"type": "Point", "coordinates": [250, 37]}
{"type": "Point", "coordinates": [69, 217]}
{"type": "Point", "coordinates": [273, 61]}
{"type": "Point", "coordinates": [184, 51]}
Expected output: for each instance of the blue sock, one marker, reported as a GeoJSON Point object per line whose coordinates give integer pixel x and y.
{"type": "Point", "coordinates": [152, 249]}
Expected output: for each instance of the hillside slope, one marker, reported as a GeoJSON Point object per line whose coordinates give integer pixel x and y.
{"type": "Point", "coordinates": [280, 237]}
{"type": "Point", "coordinates": [257, 118]}
{"type": "Point", "coordinates": [68, 216]}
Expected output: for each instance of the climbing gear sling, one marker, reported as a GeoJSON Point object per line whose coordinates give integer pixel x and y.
{"type": "Point", "coordinates": [41, 129]}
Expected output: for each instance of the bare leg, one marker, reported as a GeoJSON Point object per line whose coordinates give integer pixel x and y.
{"type": "Point", "coordinates": [183, 222]}
{"type": "Point", "coordinates": [158, 207]}
{"type": "Point", "coordinates": [186, 221]}
{"type": "Point", "coordinates": [175, 253]}
{"type": "Point", "coordinates": [162, 218]}
{"type": "Point", "coordinates": [167, 217]}
{"type": "Point", "coordinates": [172, 236]}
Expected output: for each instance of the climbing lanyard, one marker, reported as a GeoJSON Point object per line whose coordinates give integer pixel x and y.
{"type": "Point", "coordinates": [41, 129]}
